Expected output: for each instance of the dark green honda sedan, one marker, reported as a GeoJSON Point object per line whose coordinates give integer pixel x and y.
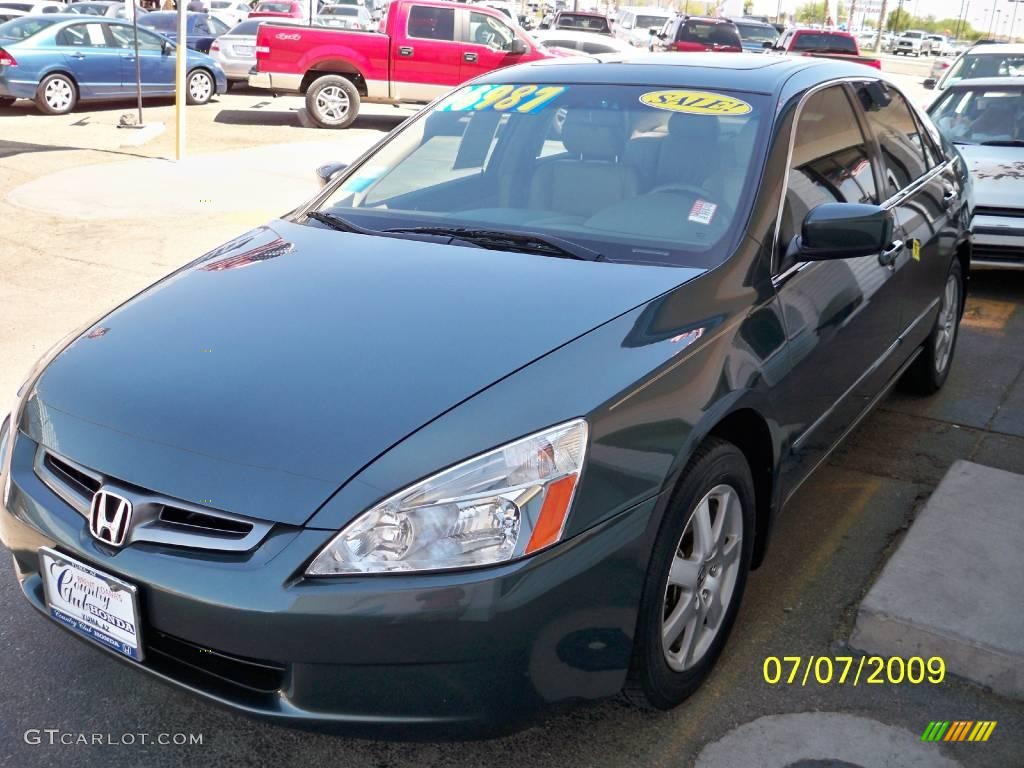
{"type": "Point", "coordinates": [504, 416]}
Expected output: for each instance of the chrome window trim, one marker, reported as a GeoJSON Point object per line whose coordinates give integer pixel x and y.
{"type": "Point", "coordinates": [778, 278]}
{"type": "Point", "coordinates": [147, 524]}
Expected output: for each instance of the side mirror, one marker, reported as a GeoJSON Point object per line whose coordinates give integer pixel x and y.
{"type": "Point", "coordinates": [768, 45]}
{"type": "Point", "coordinates": [167, 48]}
{"type": "Point", "coordinates": [325, 173]}
{"type": "Point", "coordinates": [653, 31]}
{"type": "Point", "coordinates": [517, 47]}
{"type": "Point", "coordinates": [844, 231]}
{"type": "Point", "coordinates": [930, 83]}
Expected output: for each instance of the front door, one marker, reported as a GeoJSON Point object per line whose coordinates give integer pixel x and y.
{"type": "Point", "coordinates": [486, 44]}
{"type": "Point", "coordinates": [156, 65]}
{"type": "Point", "coordinates": [426, 64]}
{"type": "Point", "coordinates": [842, 315]}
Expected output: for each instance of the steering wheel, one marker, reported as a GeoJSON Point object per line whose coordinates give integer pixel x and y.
{"type": "Point", "coordinates": [691, 189]}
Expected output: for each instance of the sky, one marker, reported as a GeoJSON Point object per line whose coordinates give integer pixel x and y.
{"type": "Point", "coordinates": [979, 12]}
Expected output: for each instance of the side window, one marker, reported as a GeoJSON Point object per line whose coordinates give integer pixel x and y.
{"type": "Point", "coordinates": [831, 162]}
{"type": "Point", "coordinates": [82, 36]}
{"type": "Point", "coordinates": [217, 26]}
{"type": "Point", "coordinates": [202, 28]}
{"type": "Point", "coordinates": [489, 31]}
{"type": "Point", "coordinates": [431, 23]}
{"type": "Point", "coordinates": [121, 35]}
{"type": "Point", "coordinates": [893, 124]}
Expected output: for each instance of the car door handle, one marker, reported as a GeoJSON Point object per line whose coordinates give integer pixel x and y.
{"type": "Point", "coordinates": [887, 258]}
{"type": "Point", "coordinates": [949, 196]}
{"type": "Point", "coordinates": [405, 50]}
{"type": "Point", "coordinates": [77, 55]}
{"type": "Point", "coordinates": [470, 57]}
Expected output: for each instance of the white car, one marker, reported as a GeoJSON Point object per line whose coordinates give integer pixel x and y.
{"type": "Point", "coordinates": [634, 26]}
{"type": "Point", "coordinates": [936, 45]}
{"type": "Point", "coordinates": [1002, 60]}
{"type": "Point", "coordinates": [231, 12]}
{"type": "Point", "coordinates": [589, 43]}
{"type": "Point", "coordinates": [910, 42]}
{"type": "Point", "coordinates": [34, 8]}
{"type": "Point", "coordinates": [354, 17]}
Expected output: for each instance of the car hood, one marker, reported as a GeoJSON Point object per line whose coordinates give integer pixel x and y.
{"type": "Point", "coordinates": [997, 174]}
{"type": "Point", "coordinates": [261, 377]}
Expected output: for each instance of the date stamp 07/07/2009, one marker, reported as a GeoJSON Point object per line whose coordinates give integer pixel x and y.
{"type": "Point", "coordinates": [849, 670]}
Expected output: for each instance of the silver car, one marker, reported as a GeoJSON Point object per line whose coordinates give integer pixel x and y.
{"type": "Point", "coordinates": [354, 17]}
{"type": "Point", "coordinates": [235, 51]}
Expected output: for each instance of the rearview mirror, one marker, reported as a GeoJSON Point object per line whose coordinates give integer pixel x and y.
{"type": "Point", "coordinates": [844, 231]}
{"type": "Point", "coordinates": [517, 47]}
{"type": "Point", "coordinates": [326, 173]}
{"type": "Point", "coordinates": [930, 83]}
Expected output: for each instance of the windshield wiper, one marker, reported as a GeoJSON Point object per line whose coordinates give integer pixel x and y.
{"type": "Point", "coordinates": [527, 242]}
{"type": "Point", "coordinates": [340, 224]}
{"type": "Point", "coordinates": [1003, 143]}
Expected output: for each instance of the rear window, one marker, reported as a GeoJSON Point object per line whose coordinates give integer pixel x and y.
{"type": "Point", "coordinates": [245, 28]}
{"type": "Point", "coordinates": [759, 33]}
{"type": "Point", "coordinates": [580, 21]}
{"type": "Point", "coordinates": [708, 33]}
{"type": "Point", "coordinates": [20, 29]}
{"type": "Point", "coordinates": [646, 22]}
{"type": "Point", "coordinates": [17, 6]}
{"type": "Point", "coordinates": [339, 10]}
{"type": "Point", "coordinates": [274, 7]}
{"type": "Point", "coordinates": [160, 22]}
{"type": "Point", "coordinates": [823, 43]}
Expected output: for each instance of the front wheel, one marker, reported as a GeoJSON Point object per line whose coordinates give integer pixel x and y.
{"type": "Point", "coordinates": [696, 577]}
{"type": "Point", "coordinates": [929, 371]}
{"type": "Point", "coordinates": [332, 102]}
{"type": "Point", "coordinates": [199, 88]}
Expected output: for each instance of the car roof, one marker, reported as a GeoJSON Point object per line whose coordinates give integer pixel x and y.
{"type": "Point", "coordinates": [750, 72]}
{"type": "Point", "coordinates": [987, 82]}
{"type": "Point", "coordinates": [1011, 48]}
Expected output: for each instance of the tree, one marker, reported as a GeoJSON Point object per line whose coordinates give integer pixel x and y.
{"type": "Point", "coordinates": [881, 25]}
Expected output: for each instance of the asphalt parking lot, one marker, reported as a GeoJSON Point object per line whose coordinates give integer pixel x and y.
{"type": "Point", "coordinates": [87, 222]}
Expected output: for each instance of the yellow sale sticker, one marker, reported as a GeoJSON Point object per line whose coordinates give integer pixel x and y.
{"type": "Point", "coordinates": [696, 102]}
{"type": "Point", "coordinates": [915, 249]}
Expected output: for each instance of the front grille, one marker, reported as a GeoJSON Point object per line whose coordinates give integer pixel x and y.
{"type": "Point", "coordinates": [256, 675]}
{"type": "Point", "coordinates": [997, 253]}
{"type": "Point", "coordinates": [155, 518]}
{"type": "Point", "coordinates": [79, 480]}
{"type": "Point", "coordinates": [990, 210]}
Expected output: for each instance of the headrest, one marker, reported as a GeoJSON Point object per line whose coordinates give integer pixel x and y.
{"type": "Point", "coordinates": [594, 134]}
{"type": "Point", "coordinates": [699, 130]}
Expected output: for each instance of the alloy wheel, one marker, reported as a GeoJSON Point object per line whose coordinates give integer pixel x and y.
{"type": "Point", "coordinates": [702, 577]}
{"type": "Point", "coordinates": [946, 331]}
{"type": "Point", "coordinates": [332, 103]}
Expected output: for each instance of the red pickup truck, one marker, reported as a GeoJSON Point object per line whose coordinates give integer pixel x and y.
{"type": "Point", "coordinates": [824, 43]}
{"type": "Point", "coordinates": [427, 48]}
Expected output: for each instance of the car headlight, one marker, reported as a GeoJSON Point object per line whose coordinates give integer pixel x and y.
{"type": "Point", "coordinates": [499, 506]}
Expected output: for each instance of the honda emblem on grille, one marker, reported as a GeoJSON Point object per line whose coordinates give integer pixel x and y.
{"type": "Point", "coordinates": [110, 517]}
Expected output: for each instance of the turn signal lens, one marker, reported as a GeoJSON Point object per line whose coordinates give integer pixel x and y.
{"type": "Point", "coordinates": [502, 505]}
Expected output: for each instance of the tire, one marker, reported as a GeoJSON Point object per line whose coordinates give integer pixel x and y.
{"type": "Point", "coordinates": [199, 87]}
{"type": "Point", "coordinates": [711, 569]}
{"type": "Point", "coordinates": [56, 95]}
{"type": "Point", "coordinates": [929, 371]}
{"type": "Point", "coordinates": [6, 101]}
{"type": "Point", "coordinates": [332, 102]}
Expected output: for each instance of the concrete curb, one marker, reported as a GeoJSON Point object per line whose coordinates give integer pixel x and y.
{"type": "Point", "coordinates": [949, 589]}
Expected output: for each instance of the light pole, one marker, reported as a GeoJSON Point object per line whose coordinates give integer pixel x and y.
{"type": "Point", "coordinates": [991, 20]}
{"type": "Point", "coordinates": [1013, 18]}
{"type": "Point", "coordinates": [964, 7]}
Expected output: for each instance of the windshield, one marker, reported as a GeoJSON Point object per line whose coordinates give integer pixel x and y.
{"type": "Point", "coordinates": [646, 22]}
{"type": "Point", "coordinates": [913, 35]}
{"type": "Point", "coordinates": [17, 6]}
{"type": "Point", "coordinates": [976, 115]}
{"type": "Point", "coordinates": [20, 29]}
{"type": "Point", "coordinates": [971, 66]}
{"type": "Point", "coordinates": [757, 33]}
{"type": "Point", "coordinates": [636, 173]}
{"type": "Point", "coordinates": [826, 43]}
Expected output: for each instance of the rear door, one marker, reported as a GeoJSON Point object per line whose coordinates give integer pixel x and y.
{"type": "Point", "coordinates": [92, 60]}
{"type": "Point", "coordinates": [426, 57]}
{"type": "Point", "coordinates": [486, 42]}
{"type": "Point", "coordinates": [921, 190]}
{"type": "Point", "coordinates": [841, 315]}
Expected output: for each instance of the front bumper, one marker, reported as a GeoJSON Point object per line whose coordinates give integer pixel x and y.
{"type": "Point", "coordinates": [997, 241]}
{"type": "Point", "coordinates": [472, 651]}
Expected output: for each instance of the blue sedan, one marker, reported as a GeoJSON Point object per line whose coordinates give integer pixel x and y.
{"type": "Point", "coordinates": [60, 59]}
